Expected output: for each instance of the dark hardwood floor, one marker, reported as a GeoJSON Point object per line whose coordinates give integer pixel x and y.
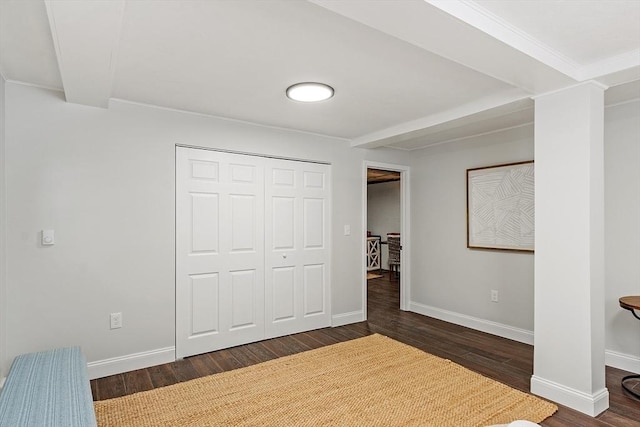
{"type": "Point", "coordinates": [504, 360]}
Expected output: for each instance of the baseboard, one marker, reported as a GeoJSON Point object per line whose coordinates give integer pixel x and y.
{"type": "Point", "coordinates": [495, 328]}
{"type": "Point", "coordinates": [130, 362]}
{"type": "Point", "coordinates": [626, 362]}
{"type": "Point", "coordinates": [347, 318]}
{"type": "Point", "coordinates": [590, 404]}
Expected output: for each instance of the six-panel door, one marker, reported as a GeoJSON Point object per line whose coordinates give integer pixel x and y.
{"type": "Point", "coordinates": [219, 250]}
{"type": "Point", "coordinates": [233, 212]}
{"type": "Point", "coordinates": [297, 247]}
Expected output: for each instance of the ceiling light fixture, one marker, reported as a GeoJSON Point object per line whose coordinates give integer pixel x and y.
{"type": "Point", "coordinates": [309, 92]}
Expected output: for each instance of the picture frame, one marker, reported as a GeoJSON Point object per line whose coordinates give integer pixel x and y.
{"type": "Point", "coordinates": [501, 207]}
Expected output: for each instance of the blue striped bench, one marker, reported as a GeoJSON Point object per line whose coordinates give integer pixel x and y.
{"type": "Point", "coordinates": [48, 389]}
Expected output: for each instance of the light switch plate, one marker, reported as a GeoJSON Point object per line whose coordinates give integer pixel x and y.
{"type": "Point", "coordinates": [48, 238]}
{"type": "Point", "coordinates": [347, 230]}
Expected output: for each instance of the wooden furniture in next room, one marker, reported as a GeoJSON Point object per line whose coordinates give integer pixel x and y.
{"type": "Point", "coordinates": [373, 253]}
{"type": "Point", "coordinates": [393, 242]}
{"type": "Point", "coordinates": [631, 303]}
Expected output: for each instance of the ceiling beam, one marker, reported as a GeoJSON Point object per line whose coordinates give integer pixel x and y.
{"type": "Point", "coordinates": [500, 104]}
{"type": "Point", "coordinates": [86, 36]}
{"type": "Point", "coordinates": [614, 70]}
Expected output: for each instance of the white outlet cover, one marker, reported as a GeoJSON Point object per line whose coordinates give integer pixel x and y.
{"type": "Point", "coordinates": [115, 320]}
{"type": "Point", "coordinates": [48, 237]}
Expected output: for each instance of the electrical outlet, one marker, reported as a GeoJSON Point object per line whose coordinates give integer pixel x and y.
{"type": "Point", "coordinates": [494, 296]}
{"type": "Point", "coordinates": [116, 320]}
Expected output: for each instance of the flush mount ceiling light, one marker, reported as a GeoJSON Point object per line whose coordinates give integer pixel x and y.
{"type": "Point", "coordinates": [309, 92]}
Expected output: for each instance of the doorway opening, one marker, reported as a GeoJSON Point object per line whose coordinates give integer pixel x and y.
{"type": "Point", "coordinates": [386, 230]}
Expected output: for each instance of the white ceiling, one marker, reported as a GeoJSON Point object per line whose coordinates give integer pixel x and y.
{"type": "Point", "coordinates": [581, 31]}
{"type": "Point", "coordinates": [407, 73]}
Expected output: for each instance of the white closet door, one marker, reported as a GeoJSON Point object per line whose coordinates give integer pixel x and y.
{"type": "Point", "coordinates": [219, 250]}
{"type": "Point", "coordinates": [297, 270]}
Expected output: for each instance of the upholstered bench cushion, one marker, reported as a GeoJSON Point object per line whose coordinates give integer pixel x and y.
{"type": "Point", "coordinates": [48, 389]}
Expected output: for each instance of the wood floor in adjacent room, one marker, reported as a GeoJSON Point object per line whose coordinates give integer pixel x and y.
{"type": "Point", "coordinates": [504, 360]}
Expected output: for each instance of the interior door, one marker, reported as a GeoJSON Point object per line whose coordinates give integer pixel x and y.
{"type": "Point", "coordinates": [219, 250]}
{"type": "Point", "coordinates": [297, 270]}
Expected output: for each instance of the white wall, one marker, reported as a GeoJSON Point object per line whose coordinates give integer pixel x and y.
{"type": "Point", "coordinates": [3, 240]}
{"type": "Point", "coordinates": [622, 228]}
{"type": "Point", "coordinates": [383, 212]}
{"type": "Point", "coordinates": [104, 180]}
{"type": "Point", "coordinates": [447, 277]}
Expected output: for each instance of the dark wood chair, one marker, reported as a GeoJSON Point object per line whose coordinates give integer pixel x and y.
{"type": "Point", "coordinates": [393, 242]}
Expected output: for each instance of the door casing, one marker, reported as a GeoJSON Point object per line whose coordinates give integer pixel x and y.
{"type": "Point", "coordinates": [405, 231]}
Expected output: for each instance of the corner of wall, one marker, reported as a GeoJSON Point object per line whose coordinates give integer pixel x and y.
{"type": "Point", "coordinates": [3, 230]}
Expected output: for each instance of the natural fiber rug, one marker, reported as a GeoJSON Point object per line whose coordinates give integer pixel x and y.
{"type": "Point", "coordinates": [371, 381]}
{"type": "Point", "coordinates": [373, 276]}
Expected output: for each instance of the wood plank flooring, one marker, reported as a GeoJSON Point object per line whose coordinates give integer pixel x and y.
{"type": "Point", "coordinates": [504, 360]}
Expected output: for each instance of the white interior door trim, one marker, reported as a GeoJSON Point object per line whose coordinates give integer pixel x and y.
{"type": "Point", "coordinates": [405, 230]}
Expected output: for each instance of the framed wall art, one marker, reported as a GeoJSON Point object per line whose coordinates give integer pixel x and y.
{"type": "Point", "coordinates": [500, 207]}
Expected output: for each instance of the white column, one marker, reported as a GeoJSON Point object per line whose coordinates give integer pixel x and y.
{"type": "Point", "coordinates": [569, 259]}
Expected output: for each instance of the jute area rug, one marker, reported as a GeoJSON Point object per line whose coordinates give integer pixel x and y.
{"type": "Point", "coordinates": [370, 381]}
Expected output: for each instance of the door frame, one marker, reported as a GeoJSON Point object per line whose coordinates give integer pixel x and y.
{"type": "Point", "coordinates": [405, 231]}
